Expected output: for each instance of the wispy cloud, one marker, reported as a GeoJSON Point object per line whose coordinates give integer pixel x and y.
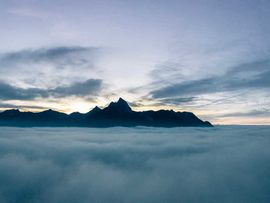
{"type": "Point", "coordinates": [252, 113]}
{"type": "Point", "coordinates": [69, 55]}
{"type": "Point", "coordinates": [48, 67]}
{"type": "Point", "coordinates": [87, 88]}
{"type": "Point", "coordinates": [6, 105]}
{"type": "Point", "coordinates": [253, 75]}
{"type": "Point", "coordinates": [31, 13]}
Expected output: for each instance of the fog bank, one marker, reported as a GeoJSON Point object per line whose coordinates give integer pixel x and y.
{"type": "Point", "coordinates": [220, 164]}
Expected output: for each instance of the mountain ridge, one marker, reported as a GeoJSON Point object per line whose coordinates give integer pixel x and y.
{"type": "Point", "coordinates": [115, 114]}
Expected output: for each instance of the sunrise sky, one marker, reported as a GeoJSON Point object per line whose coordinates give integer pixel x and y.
{"type": "Point", "coordinates": [210, 57]}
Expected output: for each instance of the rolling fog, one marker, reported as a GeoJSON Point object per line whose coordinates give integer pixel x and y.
{"type": "Point", "coordinates": [220, 164]}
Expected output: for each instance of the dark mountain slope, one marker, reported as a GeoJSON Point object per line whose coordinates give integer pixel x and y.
{"type": "Point", "coordinates": [115, 114]}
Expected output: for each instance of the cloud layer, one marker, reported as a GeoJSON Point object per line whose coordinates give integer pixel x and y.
{"type": "Point", "coordinates": [135, 165]}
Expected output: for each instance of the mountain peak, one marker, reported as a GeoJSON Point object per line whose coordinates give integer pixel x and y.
{"type": "Point", "coordinates": [13, 110]}
{"type": "Point", "coordinates": [121, 105]}
{"type": "Point", "coordinates": [48, 111]}
{"type": "Point", "coordinates": [121, 100]}
{"type": "Point", "coordinates": [96, 109]}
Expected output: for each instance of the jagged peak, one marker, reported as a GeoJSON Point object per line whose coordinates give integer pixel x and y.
{"type": "Point", "coordinates": [48, 110]}
{"type": "Point", "coordinates": [96, 108]}
{"type": "Point", "coordinates": [120, 105]}
{"type": "Point", "coordinates": [121, 100]}
{"type": "Point", "coordinates": [11, 111]}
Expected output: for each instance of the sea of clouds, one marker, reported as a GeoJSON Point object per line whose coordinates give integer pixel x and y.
{"type": "Point", "coordinates": [220, 164]}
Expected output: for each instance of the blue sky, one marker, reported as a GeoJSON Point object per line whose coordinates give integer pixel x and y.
{"type": "Point", "coordinates": [209, 57]}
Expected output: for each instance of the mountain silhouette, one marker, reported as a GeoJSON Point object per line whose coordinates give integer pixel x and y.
{"type": "Point", "coordinates": [115, 114]}
{"type": "Point", "coordinates": [121, 106]}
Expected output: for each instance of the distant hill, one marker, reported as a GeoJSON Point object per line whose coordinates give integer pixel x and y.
{"type": "Point", "coordinates": [115, 114]}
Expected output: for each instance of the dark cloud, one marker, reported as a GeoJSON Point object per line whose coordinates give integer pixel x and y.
{"type": "Point", "coordinates": [251, 76]}
{"type": "Point", "coordinates": [146, 102]}
{"type": "Point", "coordinates": [65, 54]}
{"type": "Point", "coordinates": [9, 92]}
{"type": "Point", "coordinates": [11, 106]}
{"type": "Point", "coordinates": [135, 165]}
{"type": "Point", "coordinates": [252, 113]}
{"type": "Point", "coordinates": [87, 88]}
{"type": "Point", "coordinates": [193, 87]}
{"type": "Point", "coordinates": [49, 67]}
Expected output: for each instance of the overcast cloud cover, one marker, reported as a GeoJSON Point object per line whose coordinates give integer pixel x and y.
{"type": "Point", "coordinates": [221, 164]}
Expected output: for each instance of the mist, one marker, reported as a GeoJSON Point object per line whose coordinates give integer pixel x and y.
{"type": "Point", "coordinates": [220, 164]}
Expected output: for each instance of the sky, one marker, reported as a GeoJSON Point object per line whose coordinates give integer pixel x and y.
{"type": "Point", "coordinates": [210, 57]}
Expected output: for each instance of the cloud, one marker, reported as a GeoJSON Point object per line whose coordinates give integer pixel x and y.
{"type": "Point", "coordinates": [64, 54]}
{"type": "Point", "coordinates": [161, 102]}
{"type": "Point", "coordinates": [250, 76]}
{"type": "Point", "coordinates": [134, 165]}
{"type": "Point", "coordinates": [178, 100]}
{"type": "Point", "coordinates": [87, 88]}
{"type": "Point", "coordinates": [252, 113]}
{"type": "Point", "coordinates": [9, 92]}
{"type": "Point", "coordinates": [11, 106]}
{"type": "Point", "coordinates": [48, 67]}
{"type": "Point", "coordinates": [194, 87]}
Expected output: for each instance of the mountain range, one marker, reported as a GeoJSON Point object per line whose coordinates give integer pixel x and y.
{"type": "Point", "coordinates": [115, 114]}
